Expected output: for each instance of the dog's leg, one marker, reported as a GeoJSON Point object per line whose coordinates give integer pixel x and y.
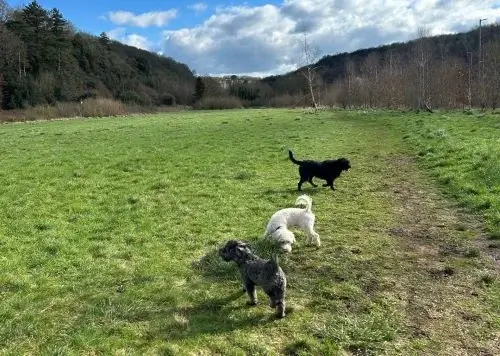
{"type": "Point", "coordinates": [313, 236]}
{"type": "Point", "coordinates": [252, 294]}
{"type": "Point", "coordinates": [315, 240]}
{"type": "Point", "coordinates": [272, 300]}
{"type": "Point", "coordinates": [243, 282]}
{"type": "Point", "coordinates": [299, 186]}
{"type": "Point", "coordinates": [277, 300]}
{"type": "Point", "coordinates": [280, 309]}
{"type": "Point", "coordinates": [329, 183]}
{"type": "Point", "coordinates": [307, 230]}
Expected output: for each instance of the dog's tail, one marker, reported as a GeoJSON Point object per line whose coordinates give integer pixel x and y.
{"type": "Point", "coordinates": [290, 154]}
{"type": "Point", "coordinates": [306, 200]}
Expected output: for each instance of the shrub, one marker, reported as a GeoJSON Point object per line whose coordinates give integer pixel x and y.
{"type": "Point", "coordinates": [166, 99]}
{"type": "Point", "coordinates": [215, 103]}
{"type": "Point", "coordinates": [102, 107]}
{"type": "Point", "coordinates": [92, 107]}
{"type": "Point", "coordinates": [287, 101]}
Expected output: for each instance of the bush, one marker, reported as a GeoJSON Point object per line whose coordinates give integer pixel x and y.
{"type": "Point", "coordinates": [166, 99]}
{"type": "Point", "coordinates": [89, 108]}
{"type": "Point", "coordinates": [215, 103]}
{"type": "Point", "coordinates": [135, 97]}
{"type": "Point", "coordinates": [102, 107]}
{"type": "Point", "coordinates": [286, 101]}
{"type": "Point", "coordinates": [94, 107]}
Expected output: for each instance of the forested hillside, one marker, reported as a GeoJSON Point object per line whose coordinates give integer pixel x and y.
{"type": "Point", "coordinates": [447, 71]}
{"type": "Point", "coordinates": [44, 60]}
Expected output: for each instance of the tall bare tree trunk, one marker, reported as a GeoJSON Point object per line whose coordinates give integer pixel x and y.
{"type": "Point", "coordinates": [424, 99]}
{"type": "Point", "coordinates": [310, 55]}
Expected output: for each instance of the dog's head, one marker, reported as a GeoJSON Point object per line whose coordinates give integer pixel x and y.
{"type": "Point", "coordinates": [286, 247]}
{"type": "Point", "coordinates": [344, 164]}
{"type": "Point", "coordinates": [235, 250]}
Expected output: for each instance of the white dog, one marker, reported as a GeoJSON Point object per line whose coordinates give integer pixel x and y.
{"type": "Point", "coordinates": [278, 225]}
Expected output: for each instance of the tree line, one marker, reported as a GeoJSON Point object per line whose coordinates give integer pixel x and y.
{"type": "Point", "coordinates": [44, 60]}
{"type": "Point", "coordinates": [455, 71]}
{"type": "Point", "coordinates": [447, 71]}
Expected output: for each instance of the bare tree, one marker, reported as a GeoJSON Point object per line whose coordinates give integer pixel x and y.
{"type": "Point", "coordinates": [422, 60]}
{"type": "Point", "coordinates": [12, 52]}
{"type": "Point", "coordinates": [1, 91]}
{"type": "Point", "coordinates": [4, 11]}
{"type": "Point", "coordinates": [480, 56]}
{"type": "Point", "coordinates": [391, 84]}
{"type": "Point", "coordinates": [469, 77]}
{"type": "Point", "coordinates": [492, 74]}
{"type": "Point", "coordinates": [347, 95]}
{"type": "Point", "coordinates": [369, 72]}
{"type": "Point", "coordinates": [309, 56]}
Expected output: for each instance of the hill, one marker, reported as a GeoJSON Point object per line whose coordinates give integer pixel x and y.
{"type": "Point", "coordinates": [44, 60]}
{"type": "Point", "coordinates": [431, 71]}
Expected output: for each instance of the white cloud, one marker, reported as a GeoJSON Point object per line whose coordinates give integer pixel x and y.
{"type": "Point", "coordinates": [147, 19]}
{"type": "Point", "coordinates": [120, 34]}
{"type": "Point", "coordinates": [198, 7]}
{"type": "Point", "coordinates": [264, 39]}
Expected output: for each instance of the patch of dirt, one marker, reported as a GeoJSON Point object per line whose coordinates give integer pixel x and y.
{"type": "Point", "coordinates": [446, 251]}
{"type": "Point", "coordinates": [428, 216]}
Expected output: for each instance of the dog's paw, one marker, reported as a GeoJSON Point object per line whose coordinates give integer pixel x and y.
{"type": "Point", "coordinates": [251, 303]}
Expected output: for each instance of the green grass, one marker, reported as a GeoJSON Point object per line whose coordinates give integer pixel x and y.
{"type": "Point", "coordinates": [109, 230]}
{"type": "Point", "coordinates": [463, 152]}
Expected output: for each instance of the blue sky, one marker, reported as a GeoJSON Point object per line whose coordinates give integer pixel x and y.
{"type": "Point", "coordinates": [262, 37]}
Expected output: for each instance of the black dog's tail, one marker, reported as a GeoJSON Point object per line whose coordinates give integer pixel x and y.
{"type": "Point", "coordinates": [290, 154]}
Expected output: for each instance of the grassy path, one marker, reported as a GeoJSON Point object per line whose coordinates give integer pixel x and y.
{"type": "Point", "coordinates": [109, 230]}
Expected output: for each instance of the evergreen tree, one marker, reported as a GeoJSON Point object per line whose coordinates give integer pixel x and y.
{"type": "Point", "coordinates": [58, 25]}
{"type": "Point", "coordinates": [104, 39]}
{"type": "Point", "coordinates": [199, 89]}
{"type": "Point", "coordinates": [42, 60]}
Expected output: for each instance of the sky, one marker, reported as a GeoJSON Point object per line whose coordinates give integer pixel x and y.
{"type": "Point", "coordinates": [265, 37]}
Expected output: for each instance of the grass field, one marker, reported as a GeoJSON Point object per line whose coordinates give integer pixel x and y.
{"type": "Point", "coordinates": [109, 230]}
{"type": "Point", "coordinates": [463, 152]}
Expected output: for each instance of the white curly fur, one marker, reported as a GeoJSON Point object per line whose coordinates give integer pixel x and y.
{"type": "Point", "coordinates": [277, 227]}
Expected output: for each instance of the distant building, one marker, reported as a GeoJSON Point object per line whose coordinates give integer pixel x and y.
{"type": "Point", "coordinates": [226, 81]}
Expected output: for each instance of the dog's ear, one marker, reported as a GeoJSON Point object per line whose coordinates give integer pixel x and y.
{"type": "Point", "coordinates": [346, 164]}
{"type": "Point", "coordinates": [242, 248]}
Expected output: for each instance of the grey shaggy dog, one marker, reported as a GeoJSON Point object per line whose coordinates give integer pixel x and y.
{"type": "Point", "coordinates": [257, 271]}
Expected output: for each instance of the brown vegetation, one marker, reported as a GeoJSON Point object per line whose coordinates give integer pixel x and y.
{"type": "Point", "coordinates": [95, 107]}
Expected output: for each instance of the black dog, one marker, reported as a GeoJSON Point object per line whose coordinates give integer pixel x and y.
{"type": "Point", "coordinates": [328, 170]}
